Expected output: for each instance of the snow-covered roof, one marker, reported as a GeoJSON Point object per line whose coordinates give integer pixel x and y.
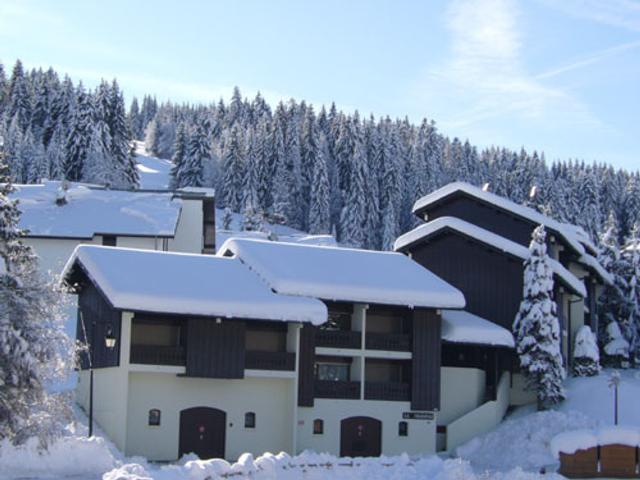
{"type": "Point", "coordinates": [91, 210]}
{"type": "Point", "coordinates": [459, 326]}
{"type": "Point", "coordinates": [488, 238]}
{"type": "Point", "coordinates": [593, 263]}
{"type": "Point", "coordinates": [582, 237]}
{"type": "Point", "coordinates": [345, 274]}
{"type": "Point", "coordinates": [503, 203]}
{"type": "Point", "coordinates": [186, 284]}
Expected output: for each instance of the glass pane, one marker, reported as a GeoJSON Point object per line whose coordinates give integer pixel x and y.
{"type": "Point", "coordinates": [333, 371]}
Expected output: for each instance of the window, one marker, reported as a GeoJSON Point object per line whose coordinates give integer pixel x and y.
{"type": "Point", "coordinates": [109, 240]}
{"type": "Point", "coordinates": [337, 372]}
{"type": "Point", "coordinates": [318, 426]}
{"type": "Point", "coordinates": [249, 420]}
{"type": "Point", "coordinates": [154, 417]}
{"type": "Point", "coordinates": [403, 429]}
{"type": "Point", "coordinates": [209, 223]}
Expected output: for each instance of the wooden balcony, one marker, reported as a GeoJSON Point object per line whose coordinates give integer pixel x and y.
{"type": "Point", "coordinates": [255, 360]}
{"type": "Point", "coordinates": [391, 391]}
{"type": "Point", "coordinates": [394, 342]}
{"type": "Point", "coordinates": [338, 339]}
{"type": "Point", "coordinates": [337, 389]}
{"type": "Point", "coordinates": [157, 355]}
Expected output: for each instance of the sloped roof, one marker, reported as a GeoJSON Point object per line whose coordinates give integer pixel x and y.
{"type": "Point", "coordinates": [568, 234]}
{"type": "Point", "coordinates": [94, 210]}
{"type": "Point", "coordinates": [459, 326]}
{"type": "Point", "coordinates": [186, 284]}
{"type": "Point", "coordinates": [344, 274]}
{"type": "Point", "coordinates": [488, 238]}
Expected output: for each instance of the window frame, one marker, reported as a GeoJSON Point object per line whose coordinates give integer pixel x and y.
{"type": "Point", "coordinates": [403, 428]}
{"type": "Point", "coordinates": [156, 422]}
{"type": "Point", "coordinates": [318, 422]}
{"type": "Point", "coordinates": [250, 420]}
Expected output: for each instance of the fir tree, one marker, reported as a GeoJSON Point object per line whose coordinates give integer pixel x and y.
{"type": "Point", "coordinates": [353, 218]}
{"type": "Point", "coordinates": [34, 348]}
{"type": "Point", "coordinates": [77, 143]}
{"type": "Point", "coordinates": [179, 156]}
{"type": "Point", "coordinates": [198, 151]}
{"type": "Point", "coordinates": [536, 327]}
{"type": "Point", "coordinates": [233, 161]}
{"type": "Point", "coordinates": [319, 213]}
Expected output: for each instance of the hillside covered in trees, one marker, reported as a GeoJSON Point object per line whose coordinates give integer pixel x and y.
{"type": "Point", "coordinates": [317, 169]}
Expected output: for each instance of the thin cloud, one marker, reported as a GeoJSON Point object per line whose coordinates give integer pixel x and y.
{"type": "Point", "coordinates": [590, 60]}
{"type": "Point", "coordinates": [623, 14]}
{"type": "Point", "coordinates": [485, 76]}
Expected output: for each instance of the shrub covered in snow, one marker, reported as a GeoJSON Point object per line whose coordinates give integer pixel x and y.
{"type": "Point", "coordinates": [536, 327]}
{"type": "Point", "coordinates": [616, 347]}
{"type": "Point", "coordinates": [586, 357]}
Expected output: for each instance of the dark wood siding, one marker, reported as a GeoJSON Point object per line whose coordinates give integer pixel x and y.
{"type": "Point", "coordinates": [425, 367]}
{"type": "Point", "coordinates": [306, 361]}
{"type": "Point", "coordinates": [215, 350]}
{"type": "Point", "coordinates": [484, 216]}
{"type": "Point", "coordinates": [491, 281]}
{"type": "Point", "coordinates": [95, 312]}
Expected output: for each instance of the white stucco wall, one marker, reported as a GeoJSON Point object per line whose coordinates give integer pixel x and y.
{"type": "Point", "coordinates": [110, 391]}
{"type": "Point", "coordinates": [271, 399]}
{"type": "Point", "coordinates": [482, 419]}
{"type": "Point", "coordinates": [140, 243]}
{"type": "Point", "coordinates": [461, 390]}
{"type": "Point", "coordinates": [189, 235]}
{"type": "Point", "coordinates": [421, 438]}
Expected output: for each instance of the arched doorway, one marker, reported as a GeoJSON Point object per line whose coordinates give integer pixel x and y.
{"type": "Point", "coordinates": [360, 437]}
{"type": "Point", "coordinates": [203, 432]}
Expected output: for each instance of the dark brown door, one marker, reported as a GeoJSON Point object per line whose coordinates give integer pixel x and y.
{"type": "Point", "coordinates": [202, 431]}
{"type": "Point", "coordinates": [360, 437]}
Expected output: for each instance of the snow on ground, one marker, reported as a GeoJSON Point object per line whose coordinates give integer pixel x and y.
{"type": "Point", "coordinates": [524, 438]}
{"type": "Point", "coordinates": [153, 171]}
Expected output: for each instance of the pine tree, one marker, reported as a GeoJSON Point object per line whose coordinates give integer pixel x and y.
{"type": "Point", "coordinates": [234, 171]}
{"type": "Point", "coordinates": [586, 357]}
{"type": "Point", "coordinates": [120, 149]}
{"type": "Point", "coordinates": [34, 348]}
{"type": "Point", "coordinates": [353, 218]}
{"type": "Point", "coordinates": [19, 98]}
{"type": "Point", "coordinates": [198, 152]}
{"type": "Point", "coordinates": [251, 212]}
{"type": "Point", "coordinates": [319, 213]}
{"type": "Point", "coordinates": [631, 324]}
{"type": "Point", "coordinates": [77, 143]}
{"type": "Point", "coordinates": [179, 156]}
{"type": "Point", "coordinates": [536, 327]}
{"type": "Point", "coordinates": [135, 120]}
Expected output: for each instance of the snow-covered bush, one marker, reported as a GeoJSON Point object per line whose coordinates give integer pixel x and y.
{"type": "Point", "coordinates": [536, 328]}
{"type": "Point", "coordinates": [616, 347]}
{"type": "Point", "coordinates": [34, 348]}
{"type": "Point", "coordinates": [586, 357]}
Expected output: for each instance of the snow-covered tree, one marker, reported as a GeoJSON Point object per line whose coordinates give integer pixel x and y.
{"type": "Point", "coordinates": [536, 327]}
{"type": "Point", "coordinates": [616, 347]}
{"type": "Point", "coordinates": [319, 213]}
{"type": "Point", "coordinates": [234, 170]}
{"type": "Point", "coordinates": [179, 156]}
{"type": "Point", "coordinates": [77, 143]}
{"type": "Point", "coordinates": [631, 323]}
{"type": "Point", "coordinates": [353, 218]}
{"type": "Point", "coordinates": [586, 356]}
{"type": "Point", "coordinates": [198, 152]}
{"type": "Point", "coordinates": [34, 349]}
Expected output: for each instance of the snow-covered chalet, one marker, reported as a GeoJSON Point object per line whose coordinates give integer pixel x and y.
{"type": "Point", "coordinates": [266, 346]}
{"type": "Point", "coordinates": [477, 241]}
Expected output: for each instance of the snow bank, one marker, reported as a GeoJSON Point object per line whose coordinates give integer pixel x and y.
{"type": "Point", "coordinates": [312, 466]}
{"type": "Point", "coordinates": [348, 274]}
{"type": "Point", "coordinates": [571, 442]}
{"type": "Point", "coordinates": [488, 238]}
{"type": "Point", "coordinates": [463, 327]}
{"type": "Point", "coordinates": [180, 283]}
{"type": "Point", "coordinates": [523, 440]}
{"type": "Point", "coordinates": [72, 456]}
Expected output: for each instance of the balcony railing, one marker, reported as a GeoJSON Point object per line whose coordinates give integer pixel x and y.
{"type": "Point", "coordinates": [393, 391]}
{"type": "Point", "coordinates": [337, 389]}
{"type": "Point", "coordinates": [157, 355]}
{"type": "Point", "coordinates": [269, 360]}
{"type": "Point", "coordinates": [338, 339]}
{"type": "Point", "coordinates": [395, 342]}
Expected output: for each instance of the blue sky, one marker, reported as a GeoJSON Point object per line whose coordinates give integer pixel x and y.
{"type": "Point", "coordinates": [561, 76]}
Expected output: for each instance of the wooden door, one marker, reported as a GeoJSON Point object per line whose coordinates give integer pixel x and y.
{"type": "Point", "coordinates": [203, 432]}
{"type": "Point", "coordinates": [360, 437]}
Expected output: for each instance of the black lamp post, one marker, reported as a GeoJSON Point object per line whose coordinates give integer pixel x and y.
{"type": "Point", "coordinates": [110, 342]}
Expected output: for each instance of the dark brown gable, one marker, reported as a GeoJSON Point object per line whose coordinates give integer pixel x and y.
{"type": "Point", "coordinates": [490, 280]}
{"type": "Point", "coordinates": [483, 215]}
